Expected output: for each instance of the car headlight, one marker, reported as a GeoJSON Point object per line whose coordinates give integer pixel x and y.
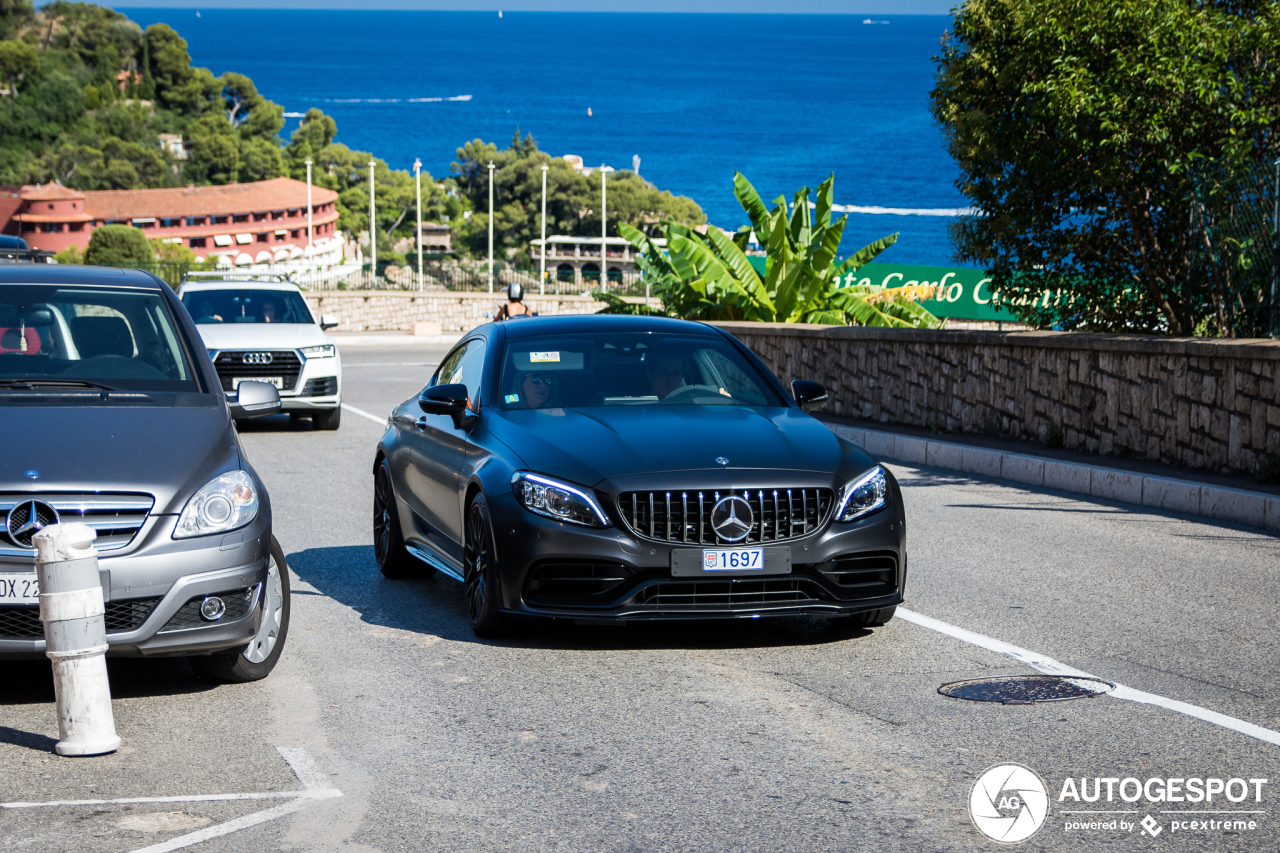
{"type": "Point", "coordinates": [557, 500]}
{"type": "Point", "coordinates": [226, 502]}
{"type": "Point", "coordinates": [322, 351]}
{"type": "Point", "coordinates": [863, 495]}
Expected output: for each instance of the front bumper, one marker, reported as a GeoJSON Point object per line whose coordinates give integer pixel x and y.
{"type": "Point", "coordinates": [548, 568]}
{"type": "Point", "coordinates": [152, 589]}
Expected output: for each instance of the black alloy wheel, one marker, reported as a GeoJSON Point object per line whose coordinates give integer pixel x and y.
{"type": "Point", "coordinates": [481, 588]}
{"type": "Point", "coordinates": [388, 542]}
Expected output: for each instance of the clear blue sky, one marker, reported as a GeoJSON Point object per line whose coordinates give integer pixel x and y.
{"type": "Point", "coordinates": [820, 7]}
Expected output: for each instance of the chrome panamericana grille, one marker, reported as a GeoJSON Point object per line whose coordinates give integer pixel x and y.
{"type": "Point", "coordinates": [116, 517]}
{"type": "Point", "coordinates": [685, 516]}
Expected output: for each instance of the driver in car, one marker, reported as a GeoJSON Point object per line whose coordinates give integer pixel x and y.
{"type": "Point", "coordinates": [665, 374]}
{"type": "Point", "coordinates": [535, 390]}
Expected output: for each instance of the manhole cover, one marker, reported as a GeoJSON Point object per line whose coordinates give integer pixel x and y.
{"type": "Point", "coordinates": [1026, 689]}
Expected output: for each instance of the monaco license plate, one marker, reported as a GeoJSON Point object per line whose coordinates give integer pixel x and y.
{"type": "Point", "coordinates": [773, 560]}
{"type": "Point", "coordinates": [277, 381]}
{"type": "Point", "coordinates": [20, 588]}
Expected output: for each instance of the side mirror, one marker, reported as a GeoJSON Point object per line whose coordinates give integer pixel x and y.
{"type": "Point", "coordinates": [327, 322]}
{"type": "Point", "coordinates": [446, 400]}
{"type": "Point", "coordinates": [810, 396]}
{"type": "Point", "coordinates": [255, 399]}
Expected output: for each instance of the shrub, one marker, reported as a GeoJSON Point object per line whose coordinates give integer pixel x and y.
{"type": "Point", "coordinates": [118, 245]}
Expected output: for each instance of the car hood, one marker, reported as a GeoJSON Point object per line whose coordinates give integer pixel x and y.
{"type": "Point", "coordinates": [600, 443]}
{"type": "Point", "coordinates": [261, 335]}
{"type": "Point", "coordinates": [161, 450]}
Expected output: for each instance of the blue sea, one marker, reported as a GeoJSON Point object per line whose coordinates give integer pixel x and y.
{"type": "Point", "coordinates": [786, 99]}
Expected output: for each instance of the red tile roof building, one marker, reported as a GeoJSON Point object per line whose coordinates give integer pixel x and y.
{"type": "Point", "coordinates": [266, 220]}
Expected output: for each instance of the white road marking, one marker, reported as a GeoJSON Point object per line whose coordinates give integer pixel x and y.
{"type": "Point", "coordinates": [202, 835]}
{"type": "Point", "coordinates": [390, 363]}
{"type": "Point", "coordinates": [311, 777]}
{"type": "Point", "coordinates": [362, 413]}
{"type": "Point", "coordinates": [319, 794]}
{"type": "Point", "coordinates": [1050, 666]}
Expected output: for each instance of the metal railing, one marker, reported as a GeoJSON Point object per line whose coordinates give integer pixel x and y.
{"type": "Point", "coordinates": [473, 280]}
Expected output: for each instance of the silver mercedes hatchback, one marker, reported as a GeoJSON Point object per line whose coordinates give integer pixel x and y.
{"type": "Point", "coordinates": [112, 414]}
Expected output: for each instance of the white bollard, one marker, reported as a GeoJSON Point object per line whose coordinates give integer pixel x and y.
{"type": "Point", "coordinates": [75, 637]}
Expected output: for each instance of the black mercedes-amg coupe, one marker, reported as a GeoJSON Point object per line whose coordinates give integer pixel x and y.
{"type": "Point", "coordinates": [625, 468]}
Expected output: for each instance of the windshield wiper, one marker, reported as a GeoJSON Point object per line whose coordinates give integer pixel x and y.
{"type": "Point", "coordinates": [52, 385]}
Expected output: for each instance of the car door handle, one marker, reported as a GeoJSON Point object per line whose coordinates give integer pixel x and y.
{"type": "Point", "coordinates": [422, 422]}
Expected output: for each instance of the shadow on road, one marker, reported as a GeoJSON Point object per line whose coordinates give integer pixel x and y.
{"type": "Point", "coordinates": [275, 423]}
{"type": "Point", "coordinates": [30, 682]}
{"type": "Point", "coordinates": [349, 575]}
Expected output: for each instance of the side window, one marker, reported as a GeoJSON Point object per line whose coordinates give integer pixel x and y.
{"type": "Point", "coordinates": [463, 366]}
{"type": "Point", "coordinates": [735, 382]}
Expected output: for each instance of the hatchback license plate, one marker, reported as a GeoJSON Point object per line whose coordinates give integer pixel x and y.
{"type": "Point", "coordinates": [277, 381]}
{"type": "Point", "coordinates": [22, 588]}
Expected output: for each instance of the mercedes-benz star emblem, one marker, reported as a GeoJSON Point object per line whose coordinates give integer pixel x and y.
{"type": "Point", "coordinates": [720, 460]}
{"type": "Point", "coordinates": [31, 473]}
{"type": "Point", "coordinates": [27, 519]}
{"type": "Point", "coordinates": [732, 518]}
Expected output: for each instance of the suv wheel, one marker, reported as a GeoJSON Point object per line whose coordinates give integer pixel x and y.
{"type": "Point", "coordinates": [256, 660]}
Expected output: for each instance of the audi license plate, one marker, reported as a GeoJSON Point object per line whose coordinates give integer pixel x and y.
{"type": "Point", "coordinates": [19, 588]}
{"type": "Point", "coordinates": [708, 562]}
{"type": "Point", "coordinates": [277, 381]}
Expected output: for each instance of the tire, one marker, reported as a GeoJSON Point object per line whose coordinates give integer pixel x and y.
{"type": "Point", "coordinates": [869, 619]}
{"type": "Point", "coordinates": [256, 660]}
{"type": "Point", "coordinates": [388, 542]}
{"type": "Point", "coordinates": [327, 418]}
{"type": "Point", "coordinates": [482, 587]}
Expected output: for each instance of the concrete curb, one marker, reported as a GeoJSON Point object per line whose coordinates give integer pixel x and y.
{"type": "Point", "coordinates": [1216, 502]}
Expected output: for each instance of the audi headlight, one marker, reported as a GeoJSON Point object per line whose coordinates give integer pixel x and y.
{"type": "Point", "coordinates": [322, 351]}
{"type": "Point", "coordinates": [225, 503]}
{"type": "Point", "coordinates": [864, 495]}
{"type": "Point", "coordinates": [557, 500]}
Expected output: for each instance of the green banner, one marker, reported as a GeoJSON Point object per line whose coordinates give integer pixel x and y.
{"type": "Point", "coordinates": [963, 293]}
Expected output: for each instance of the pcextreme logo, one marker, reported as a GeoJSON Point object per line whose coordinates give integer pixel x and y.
{"type": "Point", "coordinates": [1009, 803]}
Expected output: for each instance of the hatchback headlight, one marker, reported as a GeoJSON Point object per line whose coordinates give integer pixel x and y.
{"type": "Point", "coordinates": [226, 502]}
{"type": "Point", "coordinates": [863, 495]}
{"type": "Point", "coordinates": [322, 351]}
{"type": "Point", "coordinates": [557, 500]}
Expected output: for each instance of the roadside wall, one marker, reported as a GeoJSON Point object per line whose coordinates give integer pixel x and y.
{"type": "Point", "coordinates": [398, 310]}
{"type": "Point", "coordinates": [1201, 403]}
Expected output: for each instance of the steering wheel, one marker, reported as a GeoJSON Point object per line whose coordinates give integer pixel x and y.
{"type": "Point", "coordinates": [691, 391]}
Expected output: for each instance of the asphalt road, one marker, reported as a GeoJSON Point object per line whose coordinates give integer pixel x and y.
{"type": "Point", "coordinates": [755, 735]}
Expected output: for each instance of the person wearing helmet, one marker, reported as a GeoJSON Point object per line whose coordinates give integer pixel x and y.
{"type": "Point", "coordinates": [515, 306]}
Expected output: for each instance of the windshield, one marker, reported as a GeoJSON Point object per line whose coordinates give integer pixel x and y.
{"type": "Point", "coordinates": [609, 369]}
{"type": "Point", "coordinates": [250, 305]}
{"type": "Point", "coordinates": [97, 337]}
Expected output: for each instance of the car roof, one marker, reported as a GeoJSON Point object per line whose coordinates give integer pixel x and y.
{"type": "Point", "coordinates": [78, 275]}
{"type": "Point", "coordinates": [205, 284]}
{"type": "Point", "coordinates": [567, 324]}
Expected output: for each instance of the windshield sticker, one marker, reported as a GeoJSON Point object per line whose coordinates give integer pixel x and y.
{"type": "Point", "coordinates": [512, 398]}
{"type": "Point", "coordinates": [543, 357]}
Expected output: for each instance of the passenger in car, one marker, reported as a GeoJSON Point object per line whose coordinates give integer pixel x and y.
{"type": "Point", "coordinates": [268, 311]}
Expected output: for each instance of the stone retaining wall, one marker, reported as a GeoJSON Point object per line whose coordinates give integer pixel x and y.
{"type": "Point", "coordinates": [399, 310]}
{"type": "Point", "coordinates": [1201, 403]}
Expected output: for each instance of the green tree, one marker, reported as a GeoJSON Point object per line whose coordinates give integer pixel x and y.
{"type": "Point", "coordinates": [1076, 125]}
{"type": "Point", "coordinates": [18, 60]}
{"type": "Point", "coordinates": [118, 245]}
{"type": "Point", "coordinates": [170, 66]}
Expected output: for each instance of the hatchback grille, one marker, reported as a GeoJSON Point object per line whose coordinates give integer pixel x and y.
{"type": "Point", "coordinates": [569, 583]}
{"type": "Point", "coordinates": [868, 575]}
{"type": "Point", "coordinates": [116, 518]}
{"type": "Point", "coordinates": [283, 363]}
{"type": "Point", "coordinates": [24, 621]}
{"type": "Point", "coordinates": [729, 593]}
{"type": "Point", "coordinates": [685, 516]}
{"type": "Point", "coordinates": [238, 603]}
